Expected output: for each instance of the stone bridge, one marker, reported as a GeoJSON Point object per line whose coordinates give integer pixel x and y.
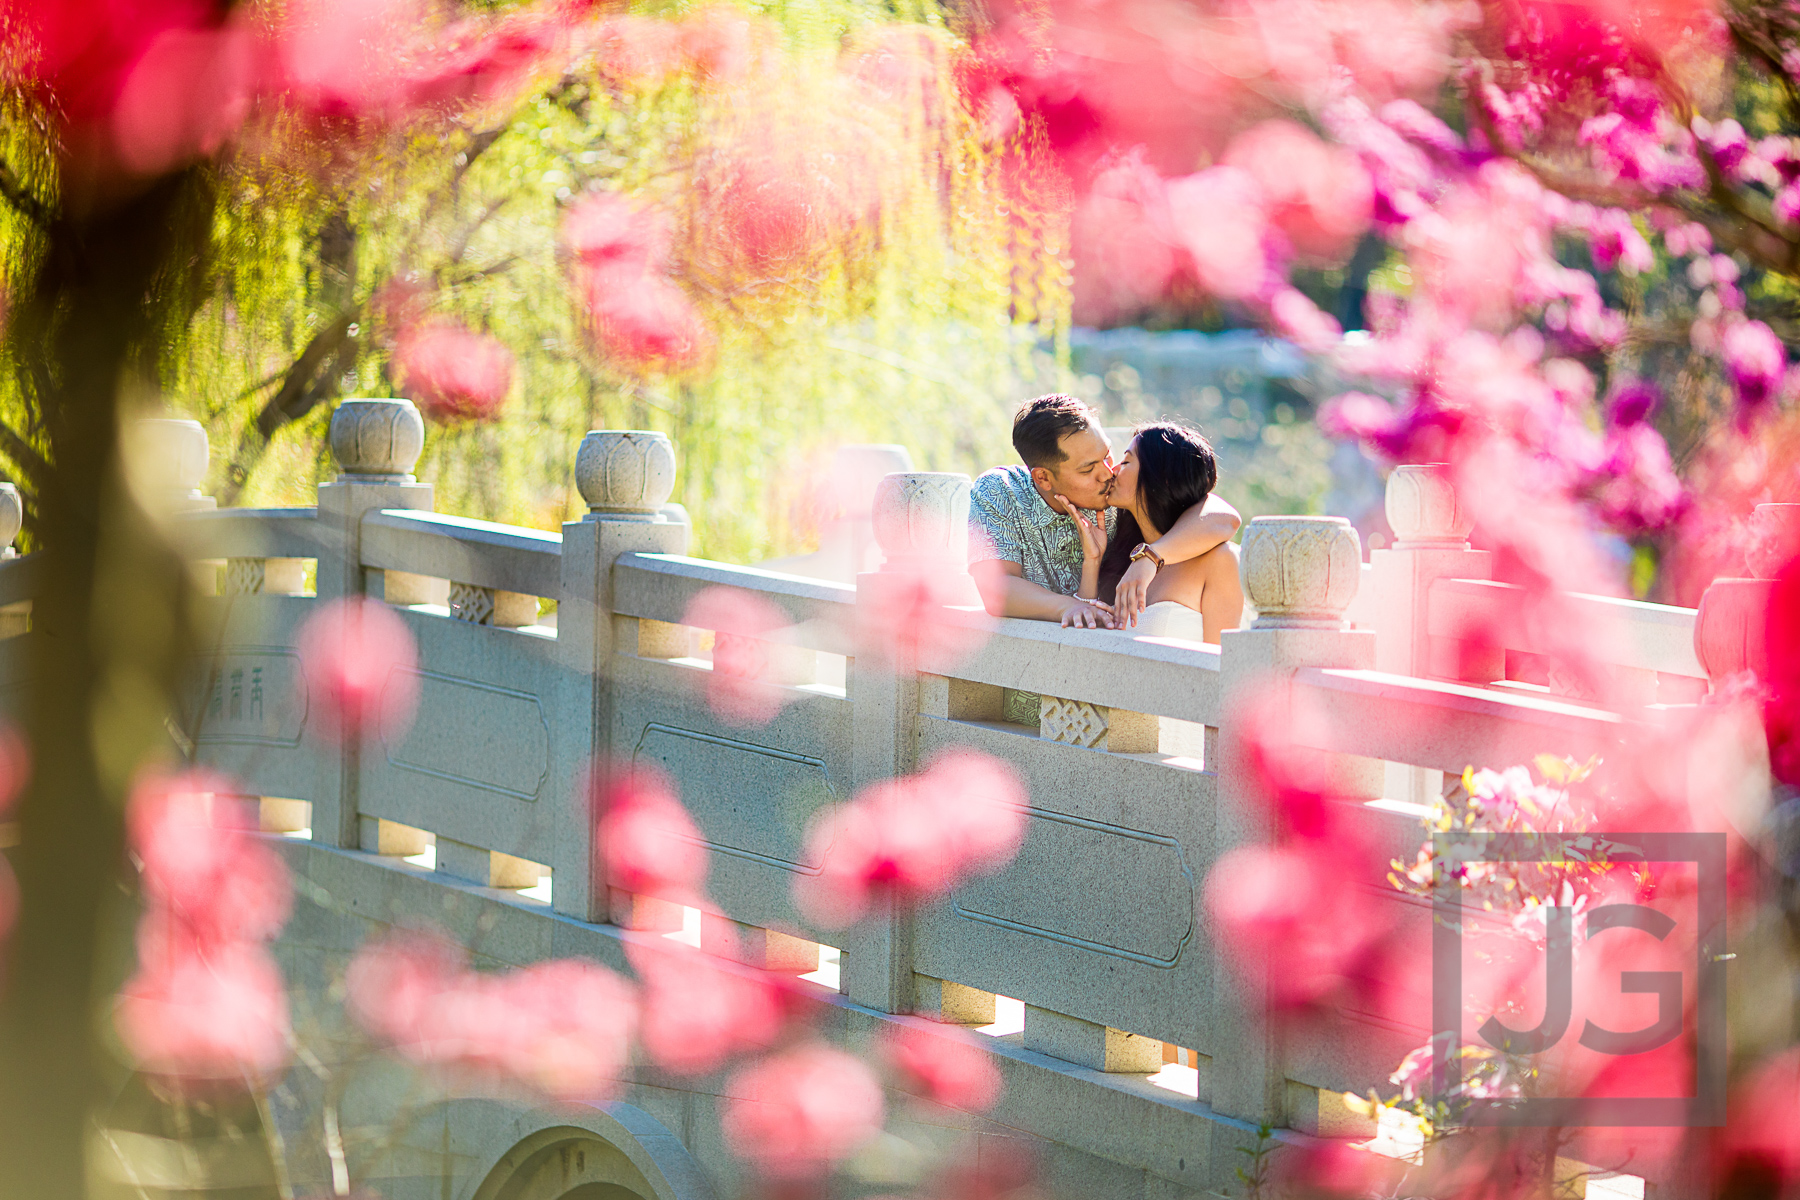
{"type": "Point", "coordinates": [1134, 1065]}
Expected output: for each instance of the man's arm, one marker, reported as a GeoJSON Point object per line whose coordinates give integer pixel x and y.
{"type": "Point", "coordinates": [1007, 593]}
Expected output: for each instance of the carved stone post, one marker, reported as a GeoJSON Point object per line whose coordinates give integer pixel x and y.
{"type": "Point", "coordinates": [376, 443]}
{"type": "Point", "coordinates": [15, 619]}
{"type": "Point", "coordinates": [1431, 543]}
{"type": "Point", "coordinates": [1730, 629]}
{"type": "Point", "coordinates": [626, 476]}
{"type": "Point", "coordinates": [1431, 532]}
{"type": "Point", "coordinates": [921, 523]}
{"type": "Point", "coordinates": [1301, 574]}
{"type": "Point", "coordinates": [171, 454]}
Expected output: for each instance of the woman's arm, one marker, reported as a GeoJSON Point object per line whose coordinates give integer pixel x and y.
{"type": "Point", "coordinates": [1204, 527]}
{"type": "Point", "coordinates": [1198, 530]}
{"type": "Point", "coordinates": [1093, 548]}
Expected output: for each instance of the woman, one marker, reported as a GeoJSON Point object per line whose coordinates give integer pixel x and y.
{"type": "Point", "coordinates": [1168, 469]}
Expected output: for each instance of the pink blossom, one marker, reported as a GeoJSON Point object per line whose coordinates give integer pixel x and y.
{"type": "Point", "coordinates": [561, 1029]}
{"type": "Point", "coordinates": [203, 870]}
{"type": "Point", "coordinates": [1268, 900]}
{"type": "Point", "coordinates": [1318, 195]}
{"type": "Point", "coordinates": [360, 664]}
{"type": "Point", "coordinates": [1756, 359]}
{"type": "Point", "coordinates": [1299, 320]}
{"type": "Point", "coordinates": [1123, 243]}
{"type": "Point", "coordinates": [644, 323]}
{"type": "Point", "coordinates": [699, 1011]}
{"type": "Point", "coordinates": [906, 625]}
{"type": "Point", "coordinates": [715, 41]}
{"type": "Point", "coordinates": [393, 984]}
{"type": "Point", "coordinates": [189, 91]}
{"type": "Point", "coordinates": [799, 1113]}
{"type": "Point", "coordinates": [649, 844]}
{"type": "Point", "coordinates": [453, 372]}
{"type": "Point", "coordinates": [913, 838]}
{"type": "Point", "coordinates": [741, 690]}
{"type": "Point", "coordinates": [217, 1017]}
{"type": "Point", "coordinates": [1220, 218]}
{"type": "Point", "coordinates": [605, 230]}
{"type": "Point", "coordinates": [206, 1003]}
{"type": "Point", "coordinates": [944, 1065]}
{"type": "Point", "coordinates": [1781, 709]}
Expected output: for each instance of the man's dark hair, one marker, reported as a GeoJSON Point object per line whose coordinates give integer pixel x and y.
{"type": "Point", "coordinates": [1040, 425]}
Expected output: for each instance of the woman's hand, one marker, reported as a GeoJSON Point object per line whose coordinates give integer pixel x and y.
{"type": "Point", "coordinates": [1093, 533]}
{"type": "Point", "coordinates": [1088, 614]}
{"type": "Point", "coordinates": [1133, 593]}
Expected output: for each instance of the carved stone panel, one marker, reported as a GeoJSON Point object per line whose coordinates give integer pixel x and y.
{"type": "Point", "coordinates": [1115, 891]}
{"type": "Point", "coordinates": [750, 801]}
{"type": "Point", "coordinates": [249, 695]}
{"type": "Point", "coordinates": [476, 734]}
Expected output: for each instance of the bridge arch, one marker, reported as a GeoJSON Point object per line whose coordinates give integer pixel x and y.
{"type": "Point", "coordinates": [616, 1153]}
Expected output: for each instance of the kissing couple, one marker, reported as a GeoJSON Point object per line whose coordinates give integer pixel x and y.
{"type": "Point", "coordinates": [1069, 535]}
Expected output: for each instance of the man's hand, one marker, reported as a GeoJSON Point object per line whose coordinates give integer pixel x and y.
{"type": "Point", "coordinates": [1088, 614]}
{"type": "Point", "coordinates": [1133, 593]}
{"type": "Point", "coordinates": [1093, 533]}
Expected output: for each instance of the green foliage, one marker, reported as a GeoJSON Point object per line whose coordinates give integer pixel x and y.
{"type": "Point", "coordinates": [916, 325]}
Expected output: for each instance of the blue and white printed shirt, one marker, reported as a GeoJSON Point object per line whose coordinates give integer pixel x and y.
{"type": "Point", "coordinates": [1008, 520]}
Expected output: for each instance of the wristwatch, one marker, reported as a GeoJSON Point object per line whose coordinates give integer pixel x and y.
{"type": "Point", "coordinates": [1144, 551]}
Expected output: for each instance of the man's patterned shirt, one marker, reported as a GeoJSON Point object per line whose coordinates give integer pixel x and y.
{"type": "Point", "coordinates": [1009, 520]}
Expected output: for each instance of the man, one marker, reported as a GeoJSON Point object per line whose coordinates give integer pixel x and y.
{"type": "Point", "coordinates": [1025, 548]}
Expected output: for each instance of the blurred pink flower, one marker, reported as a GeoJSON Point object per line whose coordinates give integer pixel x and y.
{"type": "Point", "coordinates": [453, 372]}
{"type": "Point", "coordinates": [182, 99]}
{"type": "Point", "coordinates": [360, 665]}
{"type": "Point", "coordinates": [1299, 320]}
{"type": "Point", "coordinates": [215, 1017]}
{"type": "Point", "coordinates": [1318, 195]}
{"type": "Point", "coordinates": [913, 838]}
{"type": "Point", "coordinates": [1268, 899]}
{"type": "Point", "coordinates": [648, 843]}
{"type": "Point", "coordinates": [643, 322]}
{"type": "Point", "coordinates": [561, 1029]}
{"type": "Point", "coordinates": [204, 872]}
{"type": "Point", "coordinates": [1219, 217]}
{"type": "Point", "coordinates": [699, 1011]}
{"type": "Point", "coordinates": [1781, 709]}
{"type": "Point", "coordinates": [944, 1065]}
{"type": "Point", "coordinates": [905, 614]}
{"type": "Point", "coordinates": [797, 1114]}
{"type": "Point", "coordinates": [207, 1002]}
{"type": "Point", "coordinates": [605, 230]}
{"type": "Point", "coordinates": [1755, 359]}
{"type": "Point", "coordinates": [1123, 243]}
{"type": "Point", "coordinates": [715, 42]}
{"type": "Point", "coordinates": [741, 688]}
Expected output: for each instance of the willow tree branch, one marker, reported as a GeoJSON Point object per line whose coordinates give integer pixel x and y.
{"type": "Point", "coordinates": [27, 203]}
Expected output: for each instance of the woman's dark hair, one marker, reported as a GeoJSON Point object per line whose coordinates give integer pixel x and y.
{"type": "Point", "coordinates": [1176, 470]}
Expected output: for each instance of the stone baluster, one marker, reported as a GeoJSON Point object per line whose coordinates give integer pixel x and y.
{"type": "Point", "coordinates": [12, 518]}
{"type": "Point", "coordinates": [921, 522]}
{"type": "Point", "coordinates": [1730, 628]}
{"type": "Point", "coordinates": [15, 619]}
{"type": "Point", "coordinates": [626, 476]}
{"type": "Point", "coordinates": [1301, 573]}
{"type": "Point", "coordinates": [375, 442]}
{"type": "Point", "coordinates": [1431, 532]}
{"type": "Point", "coordinates": [169, 456]}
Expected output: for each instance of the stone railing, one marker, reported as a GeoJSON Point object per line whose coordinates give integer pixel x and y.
{"type": "Point", "coordinates": [1123, 738]}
